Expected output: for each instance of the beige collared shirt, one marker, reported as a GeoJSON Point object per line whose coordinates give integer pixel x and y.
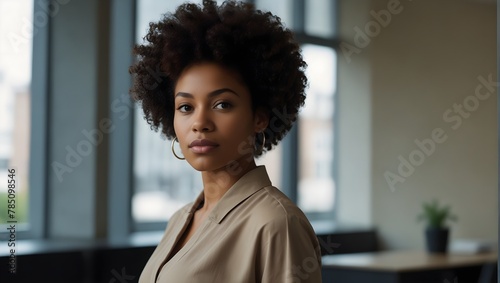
{"type": "Point", "coordinates": [253, 234]}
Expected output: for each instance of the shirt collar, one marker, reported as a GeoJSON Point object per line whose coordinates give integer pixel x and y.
{"type": "Point", "coordinates": [247, 185]}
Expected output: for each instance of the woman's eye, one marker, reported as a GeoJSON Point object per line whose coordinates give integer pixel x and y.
{"type": "Point", "coordinates": [184, 108]}
{"type": "Point", "coordinates": [223, 105]}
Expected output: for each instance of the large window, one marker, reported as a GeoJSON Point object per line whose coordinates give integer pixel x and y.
{"type": "Point", "coordinates": [316, 184]}
{"type": "Point", "coordinates": [163, 184]}
{"type": "Point", "coordinates": [312, 181]}
{"type": "Point", "coordinates": [15, 108]}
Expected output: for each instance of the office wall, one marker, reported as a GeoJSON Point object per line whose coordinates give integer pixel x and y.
{"type": "Point", "coordinates": [429, 59]}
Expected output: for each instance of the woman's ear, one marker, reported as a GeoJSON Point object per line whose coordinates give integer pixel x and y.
{"type": "Point", "coordinates": [261, 120]}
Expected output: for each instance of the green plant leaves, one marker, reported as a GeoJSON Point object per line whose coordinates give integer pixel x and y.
{"type": "Point", "coordinates": [436, 215]}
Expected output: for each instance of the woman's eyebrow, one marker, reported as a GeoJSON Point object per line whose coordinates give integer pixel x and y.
{"type": "Point", "coordinates": [210, 95]}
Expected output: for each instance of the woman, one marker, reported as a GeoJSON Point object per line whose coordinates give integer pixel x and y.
{"type": "Point", "coordinates": [231, 86]}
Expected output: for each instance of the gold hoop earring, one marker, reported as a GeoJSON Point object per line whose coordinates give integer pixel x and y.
{"type": "Point", "coordinates": [173, 150]}
{"type": "Point", "coordinates": [261, 150]}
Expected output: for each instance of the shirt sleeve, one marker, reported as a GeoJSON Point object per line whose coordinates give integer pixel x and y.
{"type": "Point", "coordinates": [290, 251]}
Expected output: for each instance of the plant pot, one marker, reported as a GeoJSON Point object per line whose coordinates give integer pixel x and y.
{"type": "Point", "coordinates": [437, 239]}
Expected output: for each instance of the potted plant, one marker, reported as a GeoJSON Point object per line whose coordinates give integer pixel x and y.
{"type": "Point", "coordinates": [436, 232]}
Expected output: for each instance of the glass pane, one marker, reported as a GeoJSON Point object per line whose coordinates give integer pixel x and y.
{"type": "Point", "coordinates": [272, 160]}
{"type": "Point", "coordinates": [316, 132]}
{"type": "Point", "coordinates": [320, 17]}
{"type": "Point", "coordinates": [162, 184]}
{"type": "Point", "coordinates": [152, 11]}
{"type": "Point", "coordinates": [280, 8]}
{"type": "Point", "coordinates": [15, 106]}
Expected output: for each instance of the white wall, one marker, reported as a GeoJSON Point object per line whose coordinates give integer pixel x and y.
{"type": "Point", "coordinates": [427, 58]}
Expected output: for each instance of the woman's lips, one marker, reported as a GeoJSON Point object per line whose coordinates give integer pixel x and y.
{"type": "Point", "coordinates": [202, 146]}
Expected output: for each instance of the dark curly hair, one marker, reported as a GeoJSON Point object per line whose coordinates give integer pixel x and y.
{"type": "Point", "coordinates": [235, 35]}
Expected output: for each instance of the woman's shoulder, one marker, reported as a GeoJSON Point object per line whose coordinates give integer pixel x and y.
{"type": "Point", "coordinates": [272, 198]}
{"type": "Point", "coordinates": [273, 208]}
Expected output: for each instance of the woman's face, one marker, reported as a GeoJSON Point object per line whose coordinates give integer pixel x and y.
{"type": "Point", "coordinates": [213, 119]}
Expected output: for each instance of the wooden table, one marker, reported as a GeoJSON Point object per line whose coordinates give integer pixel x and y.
{"type": "Point", "coordinates": [408, 266]}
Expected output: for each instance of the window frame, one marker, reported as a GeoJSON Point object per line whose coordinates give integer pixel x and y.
{"type": "Point", "coordinates": [38, 145]}
{"type": "Point", "coordinates": [40, 89]}
{"type": "Point", "coordinates": [120, 170]}
{"type": "Point", "coordinates": [291, 162]}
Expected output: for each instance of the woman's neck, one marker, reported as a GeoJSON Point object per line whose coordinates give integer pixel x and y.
{"type": "Point", "coordinates": [217, 183]}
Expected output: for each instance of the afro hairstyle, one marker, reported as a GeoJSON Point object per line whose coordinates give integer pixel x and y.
{"type": "Point", "coordinates": [234, 35]}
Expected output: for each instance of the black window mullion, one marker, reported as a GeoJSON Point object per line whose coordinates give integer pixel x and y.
{"type": "Point", "coordinates": [298, 15]}
{"type": "Point", "coordinates": [303, 38]}
{"type": "Point", "coordinates": [290, 160]}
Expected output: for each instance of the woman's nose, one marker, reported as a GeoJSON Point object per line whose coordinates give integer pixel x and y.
{"type": "Point", "coordinates": [202, 122]}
